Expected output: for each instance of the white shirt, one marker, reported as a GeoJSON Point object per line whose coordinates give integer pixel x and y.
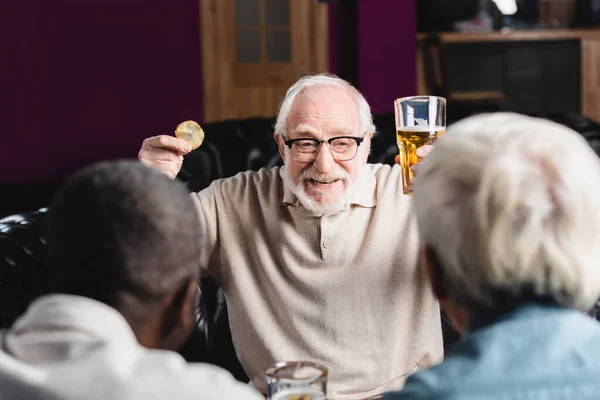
{"type": "Point", "coordinates": [70, 347]}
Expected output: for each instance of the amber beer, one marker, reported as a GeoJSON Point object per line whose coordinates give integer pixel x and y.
{"type": "Point", "coordinates": [409, 139]}
{"type": "Point", "coordinates": [420, 120]}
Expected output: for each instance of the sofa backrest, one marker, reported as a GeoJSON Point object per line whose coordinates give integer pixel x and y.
{"type": "Point", "coordinates": [22, 247]}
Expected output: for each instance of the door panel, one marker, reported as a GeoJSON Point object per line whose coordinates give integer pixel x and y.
{"type": "Point", "coordinates": [253, 50]}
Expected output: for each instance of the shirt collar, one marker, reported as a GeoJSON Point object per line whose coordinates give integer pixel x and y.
{"type": "Point", "coordinates": [525, 310]}
{"type": "Point", "coordinates": [364, 194]}
{"type": "Point", "coordinates": [75, 313]}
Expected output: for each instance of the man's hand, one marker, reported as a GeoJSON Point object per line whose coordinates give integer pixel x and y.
{"type": "Point", "coordinates": [422, 152]}
{"type": "Point", "coordinates": [164, 153]}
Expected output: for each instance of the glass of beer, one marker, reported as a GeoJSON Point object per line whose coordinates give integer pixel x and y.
{"type": "Point", "coordinates": [296, 380]}
{"type": "Point", "coordinates": [420, 120]}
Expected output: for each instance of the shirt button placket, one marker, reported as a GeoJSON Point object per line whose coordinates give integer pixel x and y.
{"type": "Point", "coordinates": [326, 242]}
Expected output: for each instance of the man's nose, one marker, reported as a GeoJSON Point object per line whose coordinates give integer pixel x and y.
{"type": "Point", "coordinates": [324, 162]}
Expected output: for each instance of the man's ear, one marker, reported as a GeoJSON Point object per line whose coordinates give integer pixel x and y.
{"type": "Point", "coordinates": [434, 272]}
{"type": "Point", "coordinates": [280, 145]}
{"type": "Point", "coordinates": [179, 316]}
{"type": "Point", "coordinates": [457, 316]}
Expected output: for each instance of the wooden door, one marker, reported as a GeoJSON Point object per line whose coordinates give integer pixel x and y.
{"type": "Point", "coordinates": [253, 50]}
{"type": "Point", "coordinates": [590, 77]}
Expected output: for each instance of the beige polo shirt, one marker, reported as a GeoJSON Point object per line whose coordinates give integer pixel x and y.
{"type": "Point", "coordinates": [343, 290]}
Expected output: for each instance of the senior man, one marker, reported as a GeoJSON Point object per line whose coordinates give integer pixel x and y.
{"type": "Point", "coordinates": [507, 213]}
{"type": "Point", "coordinates": [318, 258]}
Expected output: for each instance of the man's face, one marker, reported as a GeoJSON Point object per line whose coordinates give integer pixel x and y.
{"type": "Point", "coordinates": [322, 114]}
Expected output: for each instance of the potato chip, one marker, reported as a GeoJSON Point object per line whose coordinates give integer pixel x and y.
{"type": "Point", "coordinates": [191, 132]}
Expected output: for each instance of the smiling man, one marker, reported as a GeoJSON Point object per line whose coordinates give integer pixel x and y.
{"type": "Point", "coordinates": [322, 116]}
{"type": "Point", "coordinates": [318, 258]}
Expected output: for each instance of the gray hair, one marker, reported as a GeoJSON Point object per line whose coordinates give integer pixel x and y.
{"type": "Point", "coordinates": [311, 82]}
{"type": "Point", "coordinates": [508, 205]}
{"type": "Point", "coordinates": [119, 229]}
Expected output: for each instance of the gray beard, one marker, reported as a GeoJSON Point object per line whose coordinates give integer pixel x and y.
{"type": "Point", "coordinates": [315, 207]}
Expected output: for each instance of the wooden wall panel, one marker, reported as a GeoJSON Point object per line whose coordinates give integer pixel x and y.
{"type": "Point", "coordinates": [321, 37]}
{"type": "Point", "coordinates": [590, 78]}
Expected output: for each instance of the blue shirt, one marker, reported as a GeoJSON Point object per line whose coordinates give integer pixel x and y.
{"type": "Point", "coordinates": [535, 352]}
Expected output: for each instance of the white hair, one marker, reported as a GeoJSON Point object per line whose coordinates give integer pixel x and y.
{"type": "Point", "coordinates": [508, 204]}
{"type": "Point", "coordinates": [311, 82]}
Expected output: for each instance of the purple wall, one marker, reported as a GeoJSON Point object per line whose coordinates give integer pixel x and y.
{"type": "Point", "coordinates": [387, 51]}
{"type": "Point", "coordinates": [22, 71]}
{"type": "Point", "coordinates": [84, 81]}
{"type": "Point", "coordinates": [88, 80]}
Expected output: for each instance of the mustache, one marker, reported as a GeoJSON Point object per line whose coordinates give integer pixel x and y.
{"type": "Point", "coordinates": [310, 173]}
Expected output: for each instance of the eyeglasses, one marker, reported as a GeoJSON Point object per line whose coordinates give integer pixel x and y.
{"type": "Point", "coordinates": [342, 148]}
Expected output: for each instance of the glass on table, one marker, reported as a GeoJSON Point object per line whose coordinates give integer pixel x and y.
{"type": "Point", "coordinates": [420, 120]}
{"type": "Point", "coordinates": [296, 380]}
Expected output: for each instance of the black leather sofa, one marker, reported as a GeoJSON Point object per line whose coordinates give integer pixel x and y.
{"type": "Point", "coordinates": [229, 147]}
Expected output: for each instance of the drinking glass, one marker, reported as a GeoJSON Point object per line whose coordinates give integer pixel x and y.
{"type": "Point", "coordinates": [420, 120]}
{"type": "Point", "coordinates": [296, 380]}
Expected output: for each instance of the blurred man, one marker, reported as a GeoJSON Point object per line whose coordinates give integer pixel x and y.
{"type": "Point", "coordinates": [122, 254]}
{"type": "Point", "coordinates": [312, 256]}
{"type": "Point", "coordinates": [507, 213]}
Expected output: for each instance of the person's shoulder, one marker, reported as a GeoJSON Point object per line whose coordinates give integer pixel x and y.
{"type": "Point", "coordinates": [388, 180]}
{"type": "Point", "coordinates": [384, 171]}
{"type": "Point", "coordinates": [263, 175]}
{"type": "Point", "coordinates": [205, 381]}
{"type": "Point", "coordinates": [167, 373]}
{"type": "Point", "coordinates": [262, 180]}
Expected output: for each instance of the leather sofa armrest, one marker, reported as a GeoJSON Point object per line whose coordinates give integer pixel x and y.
{"type": "Point", "coordinates": [22, 246]}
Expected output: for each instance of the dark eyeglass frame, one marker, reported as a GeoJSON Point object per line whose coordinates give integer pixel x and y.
{"type": "Point", "coordinates": [357, 139]}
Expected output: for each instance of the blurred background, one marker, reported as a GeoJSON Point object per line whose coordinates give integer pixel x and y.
{"type": "Point", "coordinates": [83, 81]}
